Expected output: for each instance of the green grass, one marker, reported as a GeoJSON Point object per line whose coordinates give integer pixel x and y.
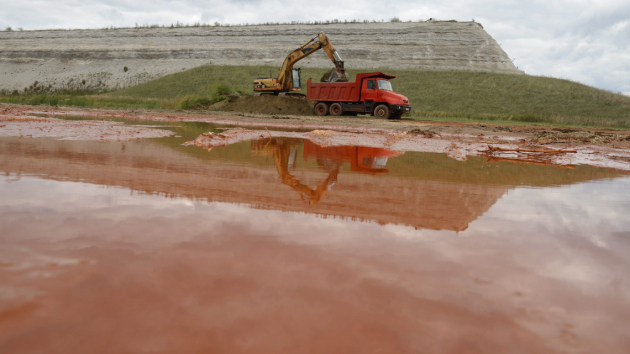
{"type": "Point", "coordinates": [477, 96]}
{"type": "Point", "coordinates": [88, 101]}
{"type": "Point", "coordinates": [202, 81]}
{"type": "Point", "coordinates": [524, 98]}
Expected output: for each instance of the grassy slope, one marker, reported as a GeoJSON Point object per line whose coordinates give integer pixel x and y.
{"type": "Point", "coordinates": [521, 97]}
{"type": "Point", "coordinates": [436, 93]}
{"type": "Point", "coordinates": [455, 94]}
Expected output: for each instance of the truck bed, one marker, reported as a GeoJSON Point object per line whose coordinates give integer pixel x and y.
{"type": "Point", "coordinates": [340, 91]}
{"type": "Point", "coordinates": [333, 91]}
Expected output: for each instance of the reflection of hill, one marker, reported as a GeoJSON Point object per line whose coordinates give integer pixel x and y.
{"type": "Point", "coordinates": [439, 167]}
{"type": "Point", "coordinates": [397, 197]}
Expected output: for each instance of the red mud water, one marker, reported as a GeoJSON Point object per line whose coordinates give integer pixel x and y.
{"type": "Point", "coordinates": [283, 245]}
{"type": "Point", "coordinates": [598, 147]}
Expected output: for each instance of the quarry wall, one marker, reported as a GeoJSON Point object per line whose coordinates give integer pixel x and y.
{"type": "Point", "coordinates": [97, 58]}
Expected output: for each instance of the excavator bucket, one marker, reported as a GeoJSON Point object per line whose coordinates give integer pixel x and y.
{"type": "Point", "coordinates": [335, 75]}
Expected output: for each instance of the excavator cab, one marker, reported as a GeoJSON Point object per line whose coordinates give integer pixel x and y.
{"type": "Point", "coordinates": [296, 79]}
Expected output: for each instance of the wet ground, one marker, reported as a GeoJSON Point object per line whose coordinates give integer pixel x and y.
{"type": "Point", "coordinates": [276, 243]}
{"type": "Point", "coordinates": [563, 146]}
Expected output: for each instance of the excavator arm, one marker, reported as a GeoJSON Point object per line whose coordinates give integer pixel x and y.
{"type": "Point", "coordinates": [316, 43]}
{"type": "Point", "coordinates": [283, 82]}
{"type": "Point", "coordinates": [281, 153]}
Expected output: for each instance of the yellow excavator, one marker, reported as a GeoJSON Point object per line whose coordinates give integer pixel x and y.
{"type": "Point", "coordinates": [289, 78]}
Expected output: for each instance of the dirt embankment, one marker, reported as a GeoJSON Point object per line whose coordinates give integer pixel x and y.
{"type": "Point", "coordinates": [268, 104]}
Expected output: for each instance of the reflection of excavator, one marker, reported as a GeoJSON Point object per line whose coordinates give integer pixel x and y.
{"type": "Point", "coordinates": [284, 152]}
{"type": "Point", "coordinates": [289, 77]}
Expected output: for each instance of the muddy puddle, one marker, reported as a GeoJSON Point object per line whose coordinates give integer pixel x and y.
{"type": "Point", "coordinates": [284, 245]}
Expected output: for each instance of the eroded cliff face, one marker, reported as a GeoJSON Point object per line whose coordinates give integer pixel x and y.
{"type": "Point", "coordinates": [98, 57]}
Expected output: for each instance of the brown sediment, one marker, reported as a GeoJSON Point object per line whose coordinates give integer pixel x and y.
{"type": "Point", "coordinates": [525, 155]}
{"type": "Point", "coordinates": [494, 149]}
{"type": "Point", "coordinates": [37, 127]}
{"type": "Point", "coordinates": [456, 148]}
{"type": "Point", "coordinates": [268, 104]}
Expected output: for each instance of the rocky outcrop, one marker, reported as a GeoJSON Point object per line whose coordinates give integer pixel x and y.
{"type": "Point", "coordinates": [96, 58]}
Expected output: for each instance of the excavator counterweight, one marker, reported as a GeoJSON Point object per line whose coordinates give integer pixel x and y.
{"type": "Point", "coordinates": [289, 78]}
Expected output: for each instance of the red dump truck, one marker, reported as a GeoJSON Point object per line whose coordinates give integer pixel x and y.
{"type": "Point", "coordinates": [371, 93]}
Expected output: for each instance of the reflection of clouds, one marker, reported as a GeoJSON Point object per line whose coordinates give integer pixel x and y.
{"type": "Point", "coordinates": [544, 244]}
{"type": "Point", "coordinates": [556, 232]}
{"type": "Point", "coordinates": [585, 216]}
{"type": "Point", "coordinates": [577, 233]}
{"type": "Point", "coordinates": [589, 210]}
{"type": "Point", "coordinates": [66, 197]}
{"type": "Point", "coordinates": [594, 211]}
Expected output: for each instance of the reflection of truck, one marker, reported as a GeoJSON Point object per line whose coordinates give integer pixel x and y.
{"type": "Point", "coordinates": [285, 150]}
{"type": "Point", "coordinates": [362, 159]}
{"type": "Point", "coordinates": [289, 78]}
{"type": "Point", "coordinates": [370, 93]}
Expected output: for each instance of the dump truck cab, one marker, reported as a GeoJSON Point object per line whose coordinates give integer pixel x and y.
{"type": "Point", "coordinates": [379, 90]}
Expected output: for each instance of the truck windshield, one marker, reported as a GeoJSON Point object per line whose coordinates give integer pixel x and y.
{"type": "Point", "coordinates": [384, 85]}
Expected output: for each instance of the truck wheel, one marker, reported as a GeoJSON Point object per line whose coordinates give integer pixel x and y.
{"type": "Point", "coordinates": [335, 109]}
{"type": "Point", "coordinates": [381, 111]}
{"type": "Point", "coordinates": [321, 109]}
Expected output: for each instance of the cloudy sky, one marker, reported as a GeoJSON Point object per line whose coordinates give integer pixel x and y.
{"type": "Point", "coordinates": [581, 40]}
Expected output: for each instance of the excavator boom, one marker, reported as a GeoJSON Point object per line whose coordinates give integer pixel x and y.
{"type": "Point", "coordinates": [286, 81]}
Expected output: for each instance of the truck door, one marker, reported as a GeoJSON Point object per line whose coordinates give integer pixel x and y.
{"type": "Point", "coordinates": [368, 91]}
